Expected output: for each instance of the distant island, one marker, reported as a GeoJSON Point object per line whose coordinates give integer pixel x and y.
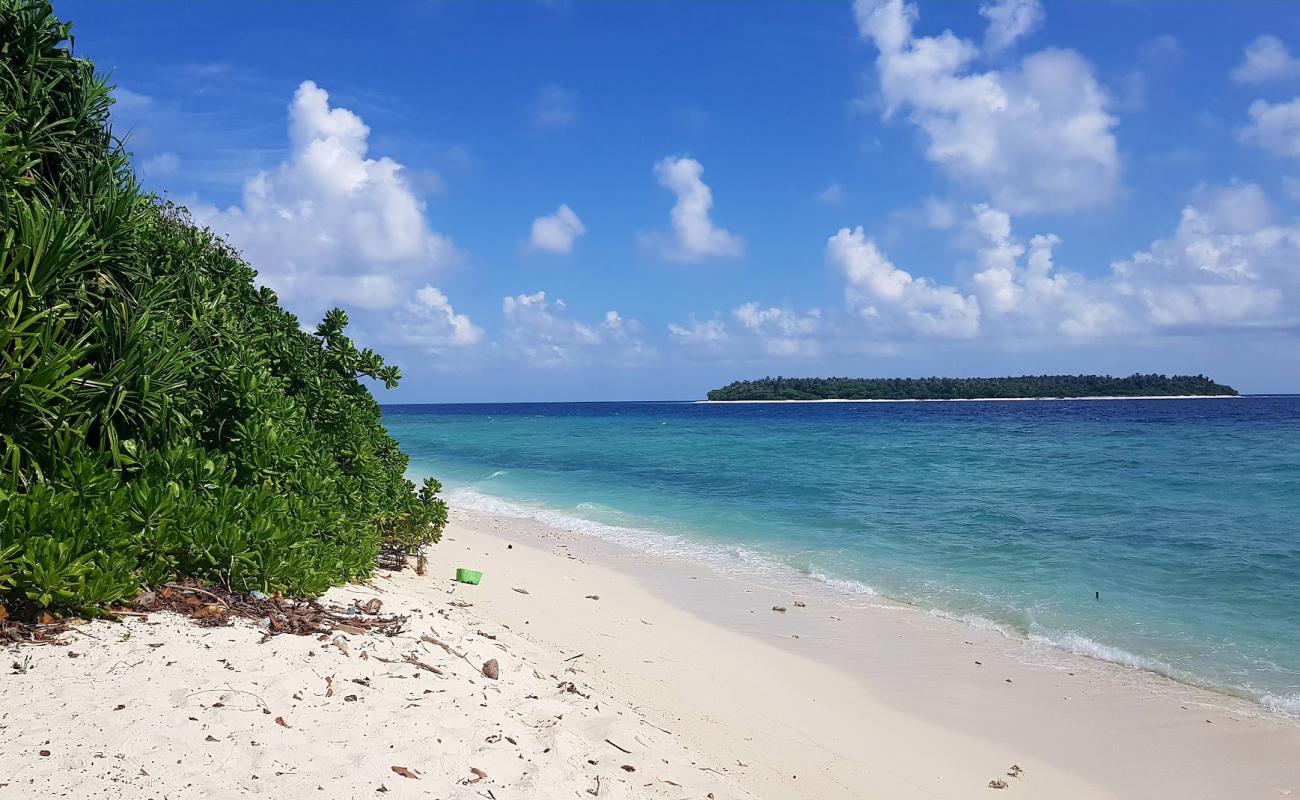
{"type": "Point", "coordinates": [1023, 387]}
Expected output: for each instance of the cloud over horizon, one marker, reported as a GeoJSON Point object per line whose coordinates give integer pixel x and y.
{"type": "Point", "coordinates": [694, 237]}
{"type": "Point", "coordinates": [329, 224]}
{"type": "Point", "coordinates": [1034, 137]}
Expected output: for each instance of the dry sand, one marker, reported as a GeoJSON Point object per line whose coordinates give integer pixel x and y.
{"type": "Point", "coordinates": [709, 689]}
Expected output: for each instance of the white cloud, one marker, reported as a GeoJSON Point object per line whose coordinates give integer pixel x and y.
{"type": "Point", "coordinates": [1021, 292]}
{"type": "Point", "coordinates": [555, 107]}
{"type": "Point", "coordinates": [1274, 127]}
{"type": "Point", "coordinates": [1009, 20]}
{"type": "Point", "coordinates": [555, 233]}
{"type": "Point", "coordinates": [883, 293]}
{"type": "Point", "coordinates": [160, 166]}
{"type": "Point", "coordinates": [1036, 137]}
{"type": "Point", "coordinates": [330, 225]}
{"type": "Point", "coordinates": [126, 100]}
{"type": "Point", "coordinates": [540, 332]}
{"type": "Point", "coordinates": [709, 333]}
{"type": "Point", "coordinates": [429, 321]}
{"type": "Point", "coordinates": [1266, 59]}
{"type": "Point", "coordinates": [782, 332]}
{"type": "Point", "coordinates": [832, 195]}
{"type": "Point", "coordinates": [694, 236]}
{"type": "Point", "coordinates": [1227, 264]}
{"type": "Point", "coordinates": [756, 333]}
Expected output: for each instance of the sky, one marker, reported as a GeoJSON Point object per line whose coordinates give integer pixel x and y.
{"type": "Point", "coordinates": [567, 200]}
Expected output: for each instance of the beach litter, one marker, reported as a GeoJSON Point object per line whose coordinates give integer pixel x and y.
{"type": "Point", "coordinates": [274, 615]}
{"type": "Point", "coordinates": [469, 576]}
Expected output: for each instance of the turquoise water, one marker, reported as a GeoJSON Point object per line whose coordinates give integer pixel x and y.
{"type": "Point", "coordinates": [1183, 514]}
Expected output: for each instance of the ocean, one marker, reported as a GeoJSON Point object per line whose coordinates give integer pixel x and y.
{"type": "Point", "coordinates": [1182, 516]}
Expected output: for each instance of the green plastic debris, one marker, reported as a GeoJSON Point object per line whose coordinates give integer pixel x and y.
{"type": "Point", "coordinates": [470, 576]}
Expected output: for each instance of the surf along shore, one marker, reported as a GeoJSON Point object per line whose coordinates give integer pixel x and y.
{"type": "Point", "coordinates": [611, 659]}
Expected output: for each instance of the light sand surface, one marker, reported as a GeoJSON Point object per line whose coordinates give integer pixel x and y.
{"type": "Point", "coordinates": [694, 674]}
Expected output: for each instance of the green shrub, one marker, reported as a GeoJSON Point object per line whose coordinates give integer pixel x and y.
{"type": "Point", "coordinates": [160, 415]}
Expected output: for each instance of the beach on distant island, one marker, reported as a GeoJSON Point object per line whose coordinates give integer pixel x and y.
{"type": "Point", "coordinates": [982, 399]}
{"type": "Point", "coordinates": [636, 674]}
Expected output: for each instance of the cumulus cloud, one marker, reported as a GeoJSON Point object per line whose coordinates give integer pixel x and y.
{"type": "Point", "coordinates": [753, 332]}
{"type": "Point", "coordinates": [429, 321]}
{"type": "Point", "coordinates": [541, 333]}
{"type": "Point", "coordinates": [1265, 60]}
{"type": "Point", "coordinates": [556, 232]}
{"type": "Point", "coordinates": [330, 224]}
{"type": "Point", "coordinates": [1274, 127]}
{"type": "Point", "coordinates": [781, 332]}
{"type": "Point", "coordinates": [1009, 20]}
{"type": "Point", "coordinates": [894, 298]}
{"type": "Point", "coordinates": [555, 107]}
{"type": "Point", "coordinates": [1036, 137]}
{"type": "Point", "coordinates": [694, 237]}
{"type": "Point", "coordinates": [710, 334]}
{"type": "Point", "coordinates": [1227, 264]}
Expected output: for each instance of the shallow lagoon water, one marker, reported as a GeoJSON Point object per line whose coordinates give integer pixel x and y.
{"type": "Point", "coordinates": [1183, 514]}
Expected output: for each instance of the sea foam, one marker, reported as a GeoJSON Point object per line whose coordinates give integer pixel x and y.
{"type": "Point", "coordinates": [743, 562]}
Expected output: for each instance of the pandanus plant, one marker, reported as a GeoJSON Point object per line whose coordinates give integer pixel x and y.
{"type": "Point", "coordinates": [160, 415]}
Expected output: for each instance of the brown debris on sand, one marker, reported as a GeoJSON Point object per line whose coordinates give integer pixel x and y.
{"type": "Point", "coordinates": [276, 615]}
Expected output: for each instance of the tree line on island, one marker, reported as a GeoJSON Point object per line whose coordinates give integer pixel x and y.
{"type": "Point", "coordinates": [1025, 386]}
{"type": "Point", "coordinates": [161, 417]}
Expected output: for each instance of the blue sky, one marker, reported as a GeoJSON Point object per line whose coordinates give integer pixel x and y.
{"type": "Point", "coordinates": [569, 200]}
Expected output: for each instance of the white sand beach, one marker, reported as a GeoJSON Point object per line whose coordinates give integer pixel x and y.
{"type": "Point", "coordinates": [612, 659]}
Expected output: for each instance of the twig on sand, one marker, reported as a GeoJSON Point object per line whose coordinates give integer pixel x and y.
{"type": "Point", "coordinates": [231, 691]}
{"type": "Point", "coordinates": [415, 662]}
{"type": "Point", "coordinates": [656, 727]}
{"type": "Point", "coordinates": [451, 651]}
{"type": "Point", "coordinates": [617, 746]}
{"type": "Point", "coordinates": [571, 658]}
{"type": "Point", "coordinates": [197, 590]}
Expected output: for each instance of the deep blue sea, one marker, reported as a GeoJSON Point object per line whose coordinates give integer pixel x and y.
{"type": "Point", "coordinates": [1183, 514]}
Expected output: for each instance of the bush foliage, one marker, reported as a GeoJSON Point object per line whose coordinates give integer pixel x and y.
{"type": "Point", "coordinates": [160, 415]}
{"type": "Point", "coordinates": [959, 388]}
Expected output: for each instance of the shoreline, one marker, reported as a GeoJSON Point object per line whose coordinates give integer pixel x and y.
{"type": "Point", "coordinates": [984, 399]}
{"type": "Point", "coordinates": [610, 659]}
{"type": "Point", "coordinates": [1087, 717]}
{"type": "Point", "coordinates": [757, 569]}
